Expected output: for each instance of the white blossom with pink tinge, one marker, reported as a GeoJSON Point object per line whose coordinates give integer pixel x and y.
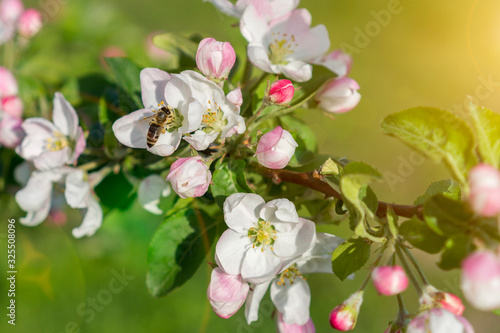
{"type": "Point", "coordinates": [433, 297]}
{"type": "Point", "coordinates": [11, 10]}
{"type": "Point", "coordinates": [37, 196]}
{"type": "Point", "coordinates": [215, 59]}
{"type": "Point", "coordinates": [30, 23]}
{"type": "Point", "coordinates": [481, 280]}
{"type": "Point", "coordinates": [389, 280]}
{"type": "Point", "coordinates": [226, 293]}
{"type": "Point", "coordinates": [271, 8]}
{"type": "Point", "coordinates": [53, 144]}
{"type": "Point", "coordinates": [338, 95]}
{"type": "Point", "coordinates": [437, 320]}
{"type": "Point", "coordinates": [336, 61]}
{"type": "Point", "coordinates": [276, 148]}
{"type": "Point", "coordinates": [290, 291]}
{"type": "Point", "coordinates": [190, 177]}
{"type": "Point", "coordinates": [283, 327]}
{"type": "Point", "coordinates": [286, 45]}
{"type": "Point", "coordinates": [8, 83]}
{"type": "Point", "coordinates": [11, 132]}
{"type": "Point", "coordinates": [262, 237]}
{"type": "Point", "coordinates": [484, 196]}
{"type": "Point", "coordinates": [159, 87]}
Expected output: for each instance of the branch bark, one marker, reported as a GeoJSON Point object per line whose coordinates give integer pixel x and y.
{"type": "Point", "coordinates": [313, 180]}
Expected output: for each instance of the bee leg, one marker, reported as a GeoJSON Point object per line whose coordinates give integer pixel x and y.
{"type": "Point", "coordinates": [163, 130]}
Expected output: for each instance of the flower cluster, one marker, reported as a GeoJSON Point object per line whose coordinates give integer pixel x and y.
{"type": "Point", "coordinates": [13, 17]}
{"type": "Point", "coordinates": [268, 245]}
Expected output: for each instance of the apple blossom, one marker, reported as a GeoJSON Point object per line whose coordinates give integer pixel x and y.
{"type": "Point", "coordinates": [481, 280]}
{"type": "Point", "coordinates": [29, 23]}
{"type": "Point", "coordinates": [10, 10]}
{"type": "Point", "coordinates": [226, 293]}
{"type": "Point", "coordinates": [282, 327]}
{"type": "Point", "coordinates": [276, 148]}
{"type": "Point", "coordinates": [286, 44]}
{"type": "Point", "coordinates": [220, 116]}
{"type": "Point", "coordinates": [215, 59]}
{"type": "Point", "coordinates": [8, 83]}
{"type": "Point", "coordinates": [53, 144]}
{"type": "Point", "coordinates": [189, 176]}
{"type": "Point", "coordinates": [290, 292]}
{"type": "Point", "coordinates": [150, 191]}
{"type": "Point", "coordinates": [11, 105]}
{"type": "Point", "coordinates": [389, 280]}
{"type": "Point", "coordinates": [433, 297]}
{"type": "Point", "coordinates": [337, 61]}
{"type": "Point", "coordinates": [159, 87]}
{"type": "Point", "coordinates": [37, 196]}
{"type": "Point", "coordinates": [281, 92]}
{"type": "Point", "coordinates": [484, 196]}
{"type": "Point", "coordinates": [338, 95]}
{"type": "Point", "coordinates": [262, 238]}
{"type": "Point", "coordinates": [437, 320]}
{"type": "Point", "coordinates": [11, 132]}
{"type": "Point", "coordinates": [344, 316]}
{"type": "Point", "coordinates": [271, 8]}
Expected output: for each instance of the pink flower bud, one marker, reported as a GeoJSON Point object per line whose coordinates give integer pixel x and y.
{"type": "Point", "coordinates": [10, 10]}
{"type": "Point", "coordinates": [276, 148]}
{"type": "Point", "coordinates": [344, 316]}
{"type": "Point", "coordinates": [389, 280]}
{"type": "Point", "coordinates": [433, 297]}
{"type": "Point", "coordinates": [338, 95]}
{"type": "Point", "coordinates": [338, 62]}
{"type": "Point", "coordinates": [11, 132]}
{"type": "Point", "coordinates": [282, 327]}
{"type": "Point", "coordinates": [215, 59]}
{"type": "Point", "coordinates": [226, 293]}
{"type": "Point", "coordinates": [281, 92]}
{"type": "Point", "coordinates": [190, 177]}
{"type": "Point", "coordinates": [8, 83]}
{"type": "Point", "coordinates": [437, 320]}
{"type": "Point", "coordinates": [481, 280]}
{"type": "Point", "coordinates": [484, 182]}
{"type": "Point", "coordinates": [12, 105]}
{"type": "Point", "coordinates": [30, 23]}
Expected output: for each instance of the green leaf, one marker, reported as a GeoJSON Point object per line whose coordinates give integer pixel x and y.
{"type": "Point", "coordinates": [229, 179]}
{"type": "Point", "coordinates": [438, 134]}
{"type": "Point", "coordinates": [175, 43]}
{"type": "Point", "coordinates": [449, 188]}
{"type": "Point", "coordinates": [127, 75]}
{"type": "Point", "coordinates": [446, 216]}
{"type": "Point", "coordinates": [359, 199]}
{"type": "Point", "coordinates": [299, 129]}
{"type": "Point", "coordinates": [456, 249]}
{"type": "Point", "coordinates": [115, 191]}
{"type": "Point", "coordinates": [177, 249]}
{"type": "Point", "coordinates": [487, 130]}
{"type": "Point", "coordinates": [421, 236]}
{"type": "Point", "coordinates": [350, 256]}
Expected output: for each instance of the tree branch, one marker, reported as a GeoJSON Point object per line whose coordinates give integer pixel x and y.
{"type": "Point", "coordinates": [313, 181]}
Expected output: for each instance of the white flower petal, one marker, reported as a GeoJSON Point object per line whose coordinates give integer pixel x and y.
{"type": "Point", "coordinates": [253, 300]}
{"type": "Point", "coordinates": [52, 159]}
{"type": "Point", "coordinates": [151, 189]}
{"type": "Point", "coordinates": [296, 241]}
{"type": "Point", "coordinates": [318, 259]}
{"type": "Point", "coordinates": [312, 44]}
{"type": "Point", "coordinates": [226, 7]}
{"type": "Point", "coordinates": [177, 91]}
{"type": "Point", "coordinates": [131, 130]}
{"type": "Point", "coordinates": [241, 211]}
{"type": "Point", "coordinates": [200, 140]}
{"type": "Point", "coordinates": [260, 266]}
{"type": "Point", "coordinates": [64, 116]}
{"type": "Point", "coordinates": [296, 70]}
{"type": "Point", "coordinates": [35, 198]}
{"type": "Point", "coordinates": [153, 82]}
{"type": "Point", "coordinates": [230, 251]}
{"type": "Point", "coordinates": [235, 97]}
{"type": "Point", "coordinates": [253, 25]}
{"type": "Point", "coordinates": [37, 130]}
{"type": "Point", "coordinates": [259, 57]}
{"type": "Point", "coordinates": [167, 143]}
{"type": "Point", "coordinates": [280, 211]}
{"type": "Point", "coordinates": [77, 191]}
{"type": "Point", "coordinates": [292, 300]}
{"type": "Point", "coordinates": [193, 115]}
{"type": "Point", "coordinates": [91, 221]}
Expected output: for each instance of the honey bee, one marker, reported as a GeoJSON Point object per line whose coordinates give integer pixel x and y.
{"type": "Point", "coordinates": [159, 123]}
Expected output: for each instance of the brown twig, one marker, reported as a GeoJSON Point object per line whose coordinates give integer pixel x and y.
{"type": "Point", "coordinates": [313, 181]}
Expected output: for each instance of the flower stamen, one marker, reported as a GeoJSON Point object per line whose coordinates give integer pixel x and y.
{"type": "Point", "coordinates": [264, 235]}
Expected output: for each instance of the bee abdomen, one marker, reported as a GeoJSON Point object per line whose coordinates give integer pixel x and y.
{"type": "Point", "coordinates": [153, 135]}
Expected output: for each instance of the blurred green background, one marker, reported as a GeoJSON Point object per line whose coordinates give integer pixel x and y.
{"type": "Point", "coordinates": [431, 53]}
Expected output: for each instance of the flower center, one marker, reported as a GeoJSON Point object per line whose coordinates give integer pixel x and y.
{"type": "Point", "coordinates": [281, 47]}
{"type": "Point", "coordinates": [212, 119]}
{"type": "Point", "coordinates": [57, 142]}
{"type": "Point", "coordinates": [264, 235]}
{"type": "Point", "coordinates": [169, 117]}
{"type": "Point", "coordinates": [290, 274]}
